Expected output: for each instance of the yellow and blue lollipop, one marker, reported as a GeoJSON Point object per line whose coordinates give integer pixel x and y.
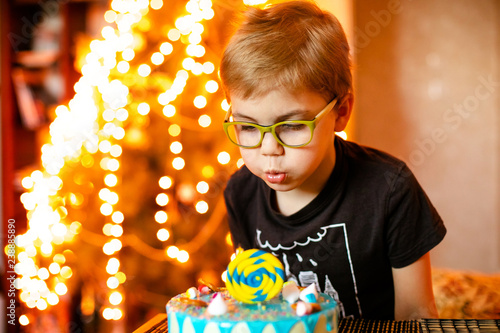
{"type": "Point", "coordinates": [254, 276]}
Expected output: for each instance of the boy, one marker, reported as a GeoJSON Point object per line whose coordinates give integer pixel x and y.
{"type": "Point", "coordinates": [349, 218]}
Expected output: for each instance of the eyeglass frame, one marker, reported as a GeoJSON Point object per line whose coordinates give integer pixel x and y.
{"type": "Point", "coordinates": [272, 128]}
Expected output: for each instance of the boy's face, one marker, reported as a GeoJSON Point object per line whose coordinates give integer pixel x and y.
{"type": "Point", "coordinates": [289, 169]}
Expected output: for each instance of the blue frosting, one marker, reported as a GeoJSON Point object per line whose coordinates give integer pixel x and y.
{"type": "Point", "coordinates": [275, 312]}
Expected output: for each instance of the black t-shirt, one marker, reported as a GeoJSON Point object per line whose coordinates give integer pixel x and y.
{"type": "Point", "coordinates": [371, 215]}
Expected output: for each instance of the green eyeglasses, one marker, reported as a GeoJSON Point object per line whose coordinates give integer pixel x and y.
{"type": "Point", "coordinates": [290, 133]}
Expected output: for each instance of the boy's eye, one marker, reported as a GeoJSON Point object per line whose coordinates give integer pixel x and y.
{"type": "Point", "coordinates": [291, 127]}
{"type": "Point", "coordinates": [248, 128]}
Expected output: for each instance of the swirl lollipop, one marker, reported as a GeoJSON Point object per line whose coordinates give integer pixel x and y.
{"type": "Point", "coordinates": [254, 276]}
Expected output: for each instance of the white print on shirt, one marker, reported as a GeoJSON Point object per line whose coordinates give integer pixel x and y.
{"type": "Point", "coordinates": [307, 277]}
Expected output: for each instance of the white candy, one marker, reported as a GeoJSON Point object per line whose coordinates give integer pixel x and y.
{"type": "Point", "coordinates": [310, 294]}
{"type": "Point", "coordinates": [303, 308]}
{"type": "Point", "coordinates": [290, 292]}
{"type": "Point", "coordinates": [192, 293]}
{"type": "Point", "coordinates": [217, 306]}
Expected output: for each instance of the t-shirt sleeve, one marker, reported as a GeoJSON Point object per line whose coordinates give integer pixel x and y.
{"type": "Point", "coordinates": [236, 223]}
{"type": "Point", "coordinates": [414, 226]}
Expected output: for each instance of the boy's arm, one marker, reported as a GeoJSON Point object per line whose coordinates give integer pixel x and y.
{"type": "Point", "coordinates": [414, 298]}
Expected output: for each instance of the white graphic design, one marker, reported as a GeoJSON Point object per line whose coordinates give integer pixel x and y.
{"type": "Point", "coordinates": [288, 274]}
{"type": "Point", "coordinates": [308, 277]}
{"type": "Point", "coordinates": [329, 290]}
{"type": "Point", "coordinates": [320, 235]}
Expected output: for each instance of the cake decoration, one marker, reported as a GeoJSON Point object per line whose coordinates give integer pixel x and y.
{"type": "Point", "coordinates": [207, 287]}
{"type": "Point", "coordinates": [203, 290]}
{"type": "Point", "coordinates": [309, 294]}
{"type": "Point", "coordinates": [217, 306]}
{"type": "Point", "coordinates": [192, 293]}
{"type": "Point", "coordinates": [254, 276]}
{"type": "Point", "coordinates": [194, 302]}
{"type": "Point", "coordinates": [304, 308]}
{"type": "Point", "coordinates": [290, 292]}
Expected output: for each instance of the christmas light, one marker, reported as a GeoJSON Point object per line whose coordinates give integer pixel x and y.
{"type": "Point", "coordinates": [143, 108]}
{"type": "Point", "coordinates": [178, 163]}
{"type": "Point", "coordinates": [223, 157]}
{"type": "Point", "coordinates": [144, 70]}
{"type": "Point", "coordinates": [24, 320]}
{"type": "Point", "coordinates": [176, 147]}
{"type": "Point", "coordinates": [202, 187]}
{"type": "Point", "coordinates": [161, 217]}
{"type": "Point", "coordinates": [110, 16]}
{"type": "Point", "coordinates": [200, 102]}
{"type": "Point", "coordinates": [54, 268]}
{"type": "Point", "coordinates": [61, 289]}
{"type": "Point", "coordinates": [157, 58]}
{"type": "Point", "coordinates": [52, 299]}
{"type": "Point", "coordinates": [112, 266]}
{"type": "Point", "coordinates": [169, 110]}
{"type": "Point", "coordinates": [207, 171]}
{"type": "Point", "coordinates": [112, 282]}
{"type": "Point", "coordinates": [115, 298]}
{"type": "Point", "coordinates": [201, 207]}
{"type": "Point", "coordinates": [117, 217]}
{"type": "Point", "coordinates": [172, 251]}
{"type": "Point", "coordinates": [87, 133]}
{"type": "Point", "coordinates": [182, 256]}
{"type": "Point", "coordinates": [163, 235]}
{"type": "Point", "coordinates": [173, 35]}
{"type": "Point", "coordinates": [165, 182]}
{"type": "Point", "coordinates": [156, 4]}
{"type": "Point", "coordinates": [212, 86]}
{"type": "Point", "coordinates": [174, 130]}
{"type": "Point", "coordinates": [204, 120]}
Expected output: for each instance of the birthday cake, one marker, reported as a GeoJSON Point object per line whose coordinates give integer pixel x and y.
{"type": "Point", "coordinates": [256, 300]}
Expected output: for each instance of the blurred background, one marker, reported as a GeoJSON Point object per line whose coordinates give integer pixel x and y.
{"type": "Point", "coordinates": [114, 159]}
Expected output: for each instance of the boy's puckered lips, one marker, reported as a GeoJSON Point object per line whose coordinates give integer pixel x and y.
{"type": "Point", "coordinates": [275, 177]}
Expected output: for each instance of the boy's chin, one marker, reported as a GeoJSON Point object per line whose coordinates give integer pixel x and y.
{"type": "Point", "coordinates": [280, 187]}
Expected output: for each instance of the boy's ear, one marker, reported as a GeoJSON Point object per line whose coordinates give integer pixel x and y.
{"type": "Point", "coordinates": [343, 113]}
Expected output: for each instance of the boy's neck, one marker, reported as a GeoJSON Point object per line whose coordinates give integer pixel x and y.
{"type": "Point", "coordinates": [290, 202]}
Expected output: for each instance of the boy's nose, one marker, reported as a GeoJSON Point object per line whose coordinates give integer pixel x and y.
{"type": "Point", "coordinates": [270, 146]}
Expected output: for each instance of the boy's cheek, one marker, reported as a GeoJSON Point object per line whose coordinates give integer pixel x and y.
{"type": "Point", "coordinates": [248, 155]}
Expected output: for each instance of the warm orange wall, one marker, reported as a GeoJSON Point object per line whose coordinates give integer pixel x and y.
{"type": "Point", "coordinates": [427, 90]}
{"type": "Point", "coordinates": [343, 10]}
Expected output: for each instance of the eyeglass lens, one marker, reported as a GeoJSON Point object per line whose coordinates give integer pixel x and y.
{"type": "Point", "coordinates": [292, 134]}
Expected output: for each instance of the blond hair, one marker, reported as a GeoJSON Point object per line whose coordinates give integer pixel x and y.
{"type": "Point", "coordinates": [291, 45]}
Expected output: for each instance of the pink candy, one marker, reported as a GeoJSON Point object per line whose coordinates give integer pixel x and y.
{"type": "Point", "coordinates": [203, 290]}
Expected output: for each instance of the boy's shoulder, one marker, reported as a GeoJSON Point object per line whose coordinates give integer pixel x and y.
{"type": "Point", "coordinates": [361, 154]}
{"type": "Point", "coordinates": [370, 165]}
